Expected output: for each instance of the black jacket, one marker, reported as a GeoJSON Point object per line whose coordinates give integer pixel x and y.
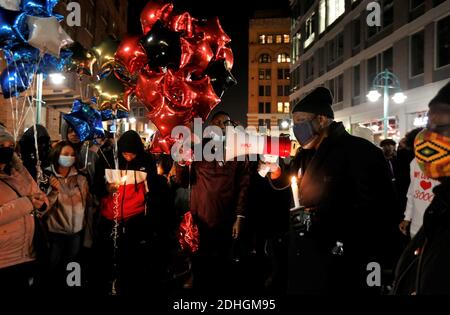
{"type": "Point", "coordinates": [346, 183]}
{"type": "Point", "coordinates": [424, 267]}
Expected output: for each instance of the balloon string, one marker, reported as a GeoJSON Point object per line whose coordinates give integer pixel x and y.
{"type": "Point", "coordinates": [39, 174]}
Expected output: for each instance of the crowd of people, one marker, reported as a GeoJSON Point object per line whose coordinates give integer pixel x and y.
{"type": "Point", "coordinates": [116, 209]}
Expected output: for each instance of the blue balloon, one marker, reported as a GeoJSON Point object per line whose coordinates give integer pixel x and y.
{"type": "Point", "coordinates": [9, 22]}
{"type": "Point", "coordinates": [15, 80]}
{"type": "Point", "coordinates": [51, 64]}
{"type": "Point", "coordinates": [41, 8]}
{"type": "Point", "coordinates": [22, 53]}
{"type": "Point", "coordinates": [85, 120]}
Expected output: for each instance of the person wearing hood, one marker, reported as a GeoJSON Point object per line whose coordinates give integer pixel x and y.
{"type": "Point", "coordinates": [423, 268]}
{"type": "Point", "coordinates": [28, 155]}
{"type": "Point", "coordinates": [347, 196]}
{"type": "Point", "coordinates": [86, 158]}
{"type": "Point", "coordinates": [70, 203]}
{"type": "Point", "coordinates": [19, 197]}
{"type": "Point", "coordinates": [126, 195]}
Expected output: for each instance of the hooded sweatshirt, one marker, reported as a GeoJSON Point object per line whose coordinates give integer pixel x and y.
{"type": "Point", "coordinates": [135, 177]}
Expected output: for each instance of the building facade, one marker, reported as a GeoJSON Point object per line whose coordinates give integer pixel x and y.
{"type": "Point", "coordinates": [269, 74]}
{"type": "Point", "coordinates": [333, 45]}
{"type": "Point", "coordinates": [98, 20]}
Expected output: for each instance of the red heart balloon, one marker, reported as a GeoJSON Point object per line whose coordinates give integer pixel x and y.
{"type": "Point", "coordinates": [154, 11]}
{"type": "Point", "coordinates": [212, 31]}
{"type": "Point", "coordinates": [227, 54]}
{"type": "Point", "coordinates": [149, 89]}
{"type": "Point", "coordinates": [131, 54]}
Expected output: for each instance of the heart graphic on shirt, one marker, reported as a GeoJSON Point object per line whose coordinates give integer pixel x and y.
{"type": "Point", "coordinates": [425, 185]}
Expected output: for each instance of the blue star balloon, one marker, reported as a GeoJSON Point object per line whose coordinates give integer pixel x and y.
{"type": "Point", "coordinates": [15, 80]}
{"type": "Point", "coordinates": [42, 8]}
{"type": "Point", "coordinates": [86, 121]}
{"type": "Point", "coordinates": [9, 23]}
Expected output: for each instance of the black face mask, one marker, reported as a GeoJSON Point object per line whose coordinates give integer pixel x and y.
{"type": "Point", "coordinates": [6, 155]}
{"type": "Point", "coordinates": [304, 132]}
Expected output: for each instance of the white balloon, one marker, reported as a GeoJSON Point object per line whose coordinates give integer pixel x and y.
{"type": "Point", "coordinates": [47, 35]}
{"type": "Point", "coordinates": [13, 5]}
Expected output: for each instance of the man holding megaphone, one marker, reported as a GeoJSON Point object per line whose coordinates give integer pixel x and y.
{"type": "Point", "coordinates": [346, 195]}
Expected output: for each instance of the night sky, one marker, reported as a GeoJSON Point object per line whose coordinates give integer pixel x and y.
{"type": "Point", "coordinates": [234, 16]}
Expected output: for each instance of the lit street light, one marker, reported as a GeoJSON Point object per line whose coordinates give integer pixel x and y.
{"type": "Point", "coordinates": [386, 80]}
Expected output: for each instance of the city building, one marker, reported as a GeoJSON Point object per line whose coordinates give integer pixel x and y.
{"type": "Point", "coordinates": [333, 45]}
{"type": "Point", "coordinates": [98, 20]}
{"type": "Point", "coordinates": [269, 74]}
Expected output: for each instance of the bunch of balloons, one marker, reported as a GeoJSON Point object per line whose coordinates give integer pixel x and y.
{"type": "Point", "coordinates": [32, 41]}
{"type": "Point", "coordinates": [178, 69]}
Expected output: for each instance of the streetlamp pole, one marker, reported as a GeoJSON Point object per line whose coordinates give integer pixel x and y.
{"type": "Point", "coordinates": [386, 104]}
{"type": "Point", "coordinates": [39, 86]}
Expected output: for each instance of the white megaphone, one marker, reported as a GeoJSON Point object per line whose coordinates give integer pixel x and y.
{"type": "Point", "coordinates": [238, 143]}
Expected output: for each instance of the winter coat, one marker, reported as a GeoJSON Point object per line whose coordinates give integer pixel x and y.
{"type": "Point", "coordinates": [424, 266]}
{"type": "Point", "coordinates": [218, 190]}
{"type": "Point", "coordinates": [420, 194]}
{"type": "Point", "coordinates": [16, 221]}
{"type": "Point", "coordinates": [140, 175]}
{"type": "Point", "coordinates": [70, 206]}
{"type": "Point", "coordinates": [346, 185]}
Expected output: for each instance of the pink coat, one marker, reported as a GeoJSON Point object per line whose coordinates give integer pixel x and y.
{"type": "Point", "coordinates": [16, 221]}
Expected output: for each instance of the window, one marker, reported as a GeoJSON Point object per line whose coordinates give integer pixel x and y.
{"type": "Point", "coordinates": [336, 48]}
{"type": "Point", "coordinates": [296, 41]}
{"type": "Point", "coordinates": [280, 107]}
{"type": "Point", "coordinates": [437, 2]}
{"type": "Point", "coordinates": [278, 39]}
{"type": "Point", "coordinates": [322, 16]}
{"type": "Point", "coordinates": [265, 58]}
{"type": "Point", "coordinates": [417, 60]}
{"type": "Point", "coordinates": [286, 38]}
{"type": "Point", "coordinates": [269, 39]}
{"type": "Point", "coordinates": [261, 107]}
{"type": "Point", "coordinates": [386, 19]}
{"type": "Point", "coordinates": [260, 122]}
{"type": "Point", "coordinates": [309, 68]}
{"type": "Point", "coordinates": [262, 39]}
{"type": "Point", "coordinates": [287, 90]}
{"type": "Point", "coordinates": [321, 60]}
{"type": "Point", "coordinates": [264, 108]}
{"type": "Point", "coordinates": [283, 74]}
{"type": "Point", "coordinates": [335, 8]}
{"type": "Point", "coordinates": [378, 64]}
{"type": "Point", "coordinates": [283, 57]}
{"type": "Point", "coordinates": [141, 112]}
{"type": "Point", "coordinates": [280, 91]}
{"type": "Point", "coordinates": [356, 81]}
{"type": "Point", "coordinates": [268, 90]}
{"type": "Point", "coordinates": [356, 32]}
{"type": "Point", "coordinates": [443, 42]}
{"type": "Point", "coordinates": [261, 74]}
{"type": "Point", "coordinates": [264, 74]}
{"type": "Point", "coordinates": [261, 90]}
{"type": "Point", "coordinates": [388, 12]}
{"type": "Point", "coordinates": [414, 4]}
{"type": "Point", "coordinates": [336, 87]}
{"type": "Point", "coordinates": [309, 30]}
{"type": "Point", "coordinates": [286, 108]}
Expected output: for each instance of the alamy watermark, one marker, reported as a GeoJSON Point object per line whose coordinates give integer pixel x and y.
{"type": "Point", "coordinates": [374, 16]}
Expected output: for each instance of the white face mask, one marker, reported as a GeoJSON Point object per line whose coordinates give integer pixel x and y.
{"type": "Point", "coordinates": [66, 161]}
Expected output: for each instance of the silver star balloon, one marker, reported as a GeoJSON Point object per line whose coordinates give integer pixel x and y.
{"type": "Point", "coordinates": [47, 35]}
